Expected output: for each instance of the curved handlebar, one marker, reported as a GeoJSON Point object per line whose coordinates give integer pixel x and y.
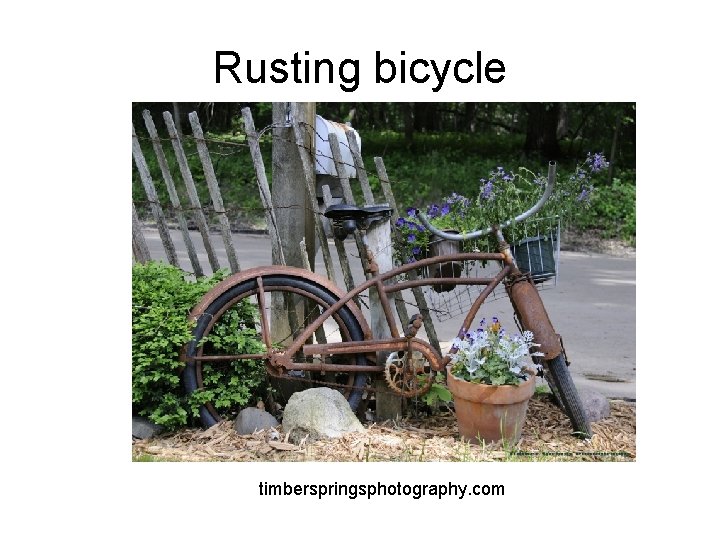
{"type": "Point", "coordinates": [477, 234]}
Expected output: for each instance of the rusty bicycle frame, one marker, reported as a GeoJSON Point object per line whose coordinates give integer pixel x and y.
{"type": "Point", "coordinates": [280, 362]}
{"type": "Point", "coordinates": [521, 290]}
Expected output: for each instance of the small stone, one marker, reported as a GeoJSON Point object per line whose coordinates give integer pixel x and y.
{"type": "Point", "coordinates": [318, 413]}
{"type": "Point", "coordinates": [252, 419]}
{"type": "Point", "coordinates": [144, 429]}
{"type": "Point", "coordinates": [595, 404]}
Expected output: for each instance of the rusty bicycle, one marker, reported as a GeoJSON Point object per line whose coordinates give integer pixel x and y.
{"type": "Point", "coordinates": [327, 340]}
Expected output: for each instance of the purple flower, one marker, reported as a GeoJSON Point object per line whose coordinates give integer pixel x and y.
{"type": "Point", "coordinates": [487, 191]}
{"type": "Point", "coordinates": [584, 195]}
{"type": "Point", "coordinates": [433, 211]}
{"type": "Point", "coordinates": [445, 210]}
{"type": "Point", "coordinates": [416, 251]}
{"type": "Point", "coordinates": [411, 212]}
{"type": "Point", "coordinates": [400, 222]}
{"type": "Point", "coordinates": [411, 238]}
{"type": "Point", "coordinates": [597, 162]}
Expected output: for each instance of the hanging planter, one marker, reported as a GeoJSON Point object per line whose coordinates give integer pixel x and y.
{"type": "Point", "coordinates": [489, 413]}
{"type": "Point", "coordinates": [536, 256]}
{"type": "Point", "coordinates": [441, 246]}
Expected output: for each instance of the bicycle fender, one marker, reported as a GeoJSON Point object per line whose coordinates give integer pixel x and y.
{"type": "Point", "coordinates": [533, 316]}
{"type": "Point", "coordinates": [264, 271]}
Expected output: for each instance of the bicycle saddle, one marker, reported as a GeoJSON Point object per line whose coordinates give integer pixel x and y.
{"type": "Point", "coordinates": [340, 212]}
{"type": "Point", "coordinates": [347, 217]}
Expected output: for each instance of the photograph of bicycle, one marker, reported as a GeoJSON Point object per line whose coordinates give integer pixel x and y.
{"type": "Point", "coordinates": [391, 312]}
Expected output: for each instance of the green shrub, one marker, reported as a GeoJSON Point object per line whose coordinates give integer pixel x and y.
{"type": "Point", "coordinates": [161, 301]}
{"type": "Point", "coordinates": [612, 211]}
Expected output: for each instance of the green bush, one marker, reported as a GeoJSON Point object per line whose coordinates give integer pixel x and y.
{"type": "Point", "coordinates": [612, 211]}
{"type": "Point", "coordinates": [161, 301]}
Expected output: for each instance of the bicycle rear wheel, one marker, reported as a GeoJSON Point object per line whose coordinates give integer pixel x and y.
{"type": "Point", "coordinates": [564, 389]}
{"type": "Point", "coordinates": [301, 301]}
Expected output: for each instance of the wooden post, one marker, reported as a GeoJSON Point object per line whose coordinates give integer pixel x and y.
{"type": "Point", "coordinates": [214, 190]}
{"type": "Point", "coordinates": [170, 185]}
{"type": "Point", "coordinates": [147, 183]}
{"type": "Point", "coordinates": [292, 210]}
{"type": "Point", "coordinates": [141, 253]}
{"type": "Point", "coordinates": [191, 191]}
{"type": "Point", "coordinates": [254, 143]}
{"type": "Point", "coordinates": [311, 187]}
{"type": "Point", "coordinates": [293, 214]}
{"type": "Point", "coordinates": [388, 405]}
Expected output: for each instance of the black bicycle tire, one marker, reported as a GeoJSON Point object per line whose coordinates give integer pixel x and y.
{"type": "Point", "coordinates": [190, 380]}
{"type": "Point", "coordinates": [568, 396]}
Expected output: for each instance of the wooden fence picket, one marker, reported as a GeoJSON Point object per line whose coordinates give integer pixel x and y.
{"type": "Point", "coordinates": [264, 187]}
{"type": "Point", "coordinates": [155, 207]}
{"type": "Point", "coordinates": [141, 253]}
{"type": "Point", "coordinates": [172, 192]}
{"type": "Point", "coordinates": [195, 205]}
{"type": "Point", "coordinates": [214, 189]}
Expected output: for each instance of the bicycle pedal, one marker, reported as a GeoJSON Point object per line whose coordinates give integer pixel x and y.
{"type": "Point", "coordinates": [414, 324]}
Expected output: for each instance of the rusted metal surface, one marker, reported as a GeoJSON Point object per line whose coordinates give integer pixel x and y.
{"type": "Point", "coordinates": [387, 310]}
{"type": "Point", "coordinates": [523, 294]}
{"type": "Point", "coordinates": [344, 368]}
{"type": "Point", "coordinates": [532, 316]}
{"type": "Point", "coordinates": [264, 326]}
{"type": "Point", "coordinates": [385, 345]}
{"type": "Point", "coordinates": [401, 286]}
{"type": "Point", "coordinates": [481, 298]}
{"type": "Point", "coordinates": [264, 271]}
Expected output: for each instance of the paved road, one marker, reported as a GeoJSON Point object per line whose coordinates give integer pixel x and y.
{"type": "Point", "coordinates": [592, 306]}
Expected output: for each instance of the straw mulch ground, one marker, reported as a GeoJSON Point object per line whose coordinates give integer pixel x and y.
{"type": "Point", "coordinates": [546, 437]}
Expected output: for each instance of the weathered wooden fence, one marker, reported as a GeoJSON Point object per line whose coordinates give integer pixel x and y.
{"type": "Point", "coordinates": [195, 210]}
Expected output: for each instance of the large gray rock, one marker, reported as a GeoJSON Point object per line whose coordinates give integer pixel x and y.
{"type": "Point", "coordinates": [252, 419]}
{"type": "Point", "coordinates": [144, 429]}
{"type": "Point", "coordinates": [596, 405]}
{"type": "Point", "coordinates": [318, 413]}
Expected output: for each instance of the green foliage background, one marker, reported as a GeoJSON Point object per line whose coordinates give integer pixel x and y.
{"type": "Point", "coordinates": [445, 151]}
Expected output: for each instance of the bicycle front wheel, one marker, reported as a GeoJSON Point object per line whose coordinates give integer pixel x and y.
{"type": "Point", "coordinates": [564, 389]}
{"type": "Point", "coordinates": [235, 322]}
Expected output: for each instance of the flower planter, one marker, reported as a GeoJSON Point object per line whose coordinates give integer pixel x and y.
{"type": "Point", "coordinates": [490, 413]}
{"type": "Point", "coordinates": [441, 246]}
{"type": "Point", "coordinates": [536, 256]}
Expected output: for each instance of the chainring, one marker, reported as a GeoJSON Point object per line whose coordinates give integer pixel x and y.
{"type": "Point", "coordinates": [408, 376]}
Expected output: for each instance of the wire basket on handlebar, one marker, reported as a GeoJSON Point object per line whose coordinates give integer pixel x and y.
{"type": "Point", "coordinates": [537, 252]}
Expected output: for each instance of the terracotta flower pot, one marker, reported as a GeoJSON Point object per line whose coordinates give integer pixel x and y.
{"type": "Point", "coordinates": [490, 413]}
